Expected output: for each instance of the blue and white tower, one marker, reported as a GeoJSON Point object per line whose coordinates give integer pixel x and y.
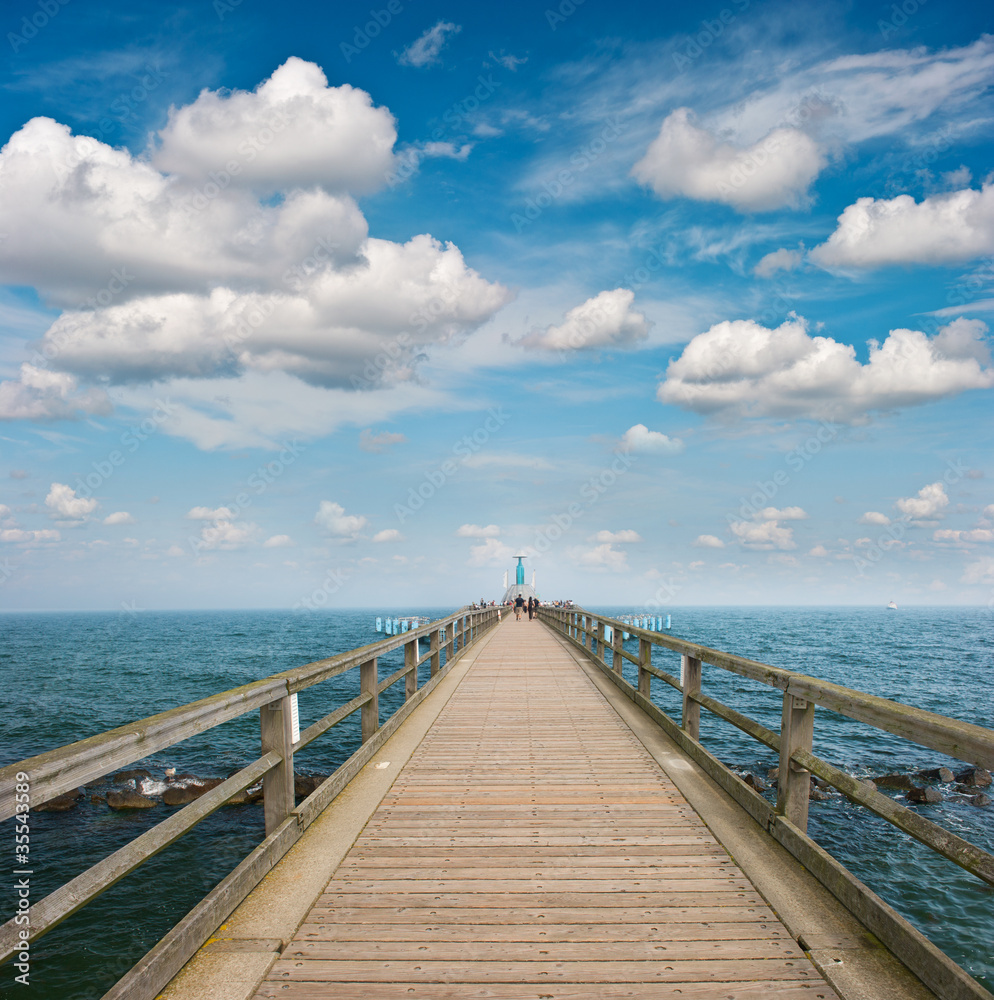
{"type": "Point", "coordinates": [519, 586]}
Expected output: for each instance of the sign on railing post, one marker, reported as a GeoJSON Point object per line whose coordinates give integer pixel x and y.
{"type": "Point", "coordinates": [276, 729]}
{"type": "Point", "coordinates": [794, 781]}
{"type": "Point", "coordinates": [411, 664]}
{"type": "Point", "coordinates": [645, 660]}
{"type": "Point", "coordinates": [368, 684]}
{"type": "Point", "coordinates": [691, 671]}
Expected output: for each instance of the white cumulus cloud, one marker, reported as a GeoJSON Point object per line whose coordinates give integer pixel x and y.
{"type": "Point", "coordinates": [278, 542]}
{"type": "Point", "coordinates": [65, 505]}
{"type": "Point", "coordinates": [478, 531]}
{"type": "Point", "coordinates": [119, 517]}
{"type": "Point", "coordinates": [639, 438]}
{"type": "Point", "coordinates": [39, 394]}
{"type": "Point", "coordinates": [941, 229]}
{"type": "Point", "coordinates": [606, 320]}
{"type": "Point", "coordinates": [781, 514]}
{"type": "Point", "coordinates": [625, 535]}
{"type": "Point", "coordinates": [687, 161]}
{"type": "Point", "coordinates": [602, 557]}
{"type": "Point", "coordinates": [741, 368]}
{"type": "Point", "coordinates": [971, 535]}
{"type": "Point", "coordinates": [210, 514]}
{"type": "Point", "coordinates": [332, 518]}
{"type": "Point", "coordinates": [708, 542]}
{"type": "Point", "coordinates": [926, 505]}
{"type": "Point", "coordinates": [233, 247]}
{"type": "Point", "coordinates": [20, 535]}
{"type": "Point", "coordinates": [293, 130]}
{"type": "Point", "coordinates": [388, 535]}
{"type": "Point", "coordinates": [873, 517]}
{"type": "Point", "coordinates": [226, 535]}
{"type": "Point", "coordinates": [763, 535]}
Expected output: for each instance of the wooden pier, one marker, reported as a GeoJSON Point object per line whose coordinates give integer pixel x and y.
{"type": "Point", "coordinates": [532, 847]}
{"type": "Point", "coordinates": [523, 823]}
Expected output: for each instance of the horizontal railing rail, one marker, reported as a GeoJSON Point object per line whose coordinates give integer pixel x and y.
{"type": "Point", "coordinates": [602, 639]}
{"type": "Point", "coordinates": [36, 780]}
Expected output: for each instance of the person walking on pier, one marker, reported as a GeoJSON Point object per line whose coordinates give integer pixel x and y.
{"type": "Point", "coordinates": [519, 603]}
{"type": "Point", "coordinates": [531, 608]}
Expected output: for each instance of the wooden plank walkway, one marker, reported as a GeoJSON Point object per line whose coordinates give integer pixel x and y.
{"type": "Point", "coordinates": [531, 848]}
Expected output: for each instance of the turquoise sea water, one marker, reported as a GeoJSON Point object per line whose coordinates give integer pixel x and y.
{"type": "Point", "coordinates": [65, 676]}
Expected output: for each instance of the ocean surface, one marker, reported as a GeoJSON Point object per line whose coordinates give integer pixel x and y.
{"type": "Point", "coordinates": [65, 676]}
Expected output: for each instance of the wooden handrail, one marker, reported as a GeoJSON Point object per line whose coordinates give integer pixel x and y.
{"type": "Point", "coordinates": [62, 769]}
{"type": "Point", "coordinates": [962, 740]}
{"type": "Point", "coordinates": [787, 822]}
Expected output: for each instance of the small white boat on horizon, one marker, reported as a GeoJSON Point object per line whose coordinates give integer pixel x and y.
{"type": "Point", "coordinates": [892, 606]}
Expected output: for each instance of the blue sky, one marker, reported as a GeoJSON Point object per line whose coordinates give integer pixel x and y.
{"type": "Point", "coordinates": [309, 308]}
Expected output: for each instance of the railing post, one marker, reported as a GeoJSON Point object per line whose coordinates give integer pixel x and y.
{"type": "Point", "coordinates": [794, 782]}
{"type": "Point", "coordinates": [368, 681]}
{"type": "Point", "coordinates": [276, 728]}
{"type": "Point", "coordinates": [645, 658]}
{"type": "Point", "coordinates": [450, 642]}
{"type": "Point", "coordinates": [601, 652]}
{"type": "Point", "coordinates": [434, 650]}
{"type": "Point", "coordinates": [691, 685]}
{"type": "Point", "coordinates": [617, 638]}
{"type": "Point", "coordinates": [411, 651]}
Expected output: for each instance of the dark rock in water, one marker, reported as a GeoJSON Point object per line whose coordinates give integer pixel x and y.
{"type": "Point", "coordinates": [976, 777]}
{"type": "Point", "coordinates": [929, 794]}
{"type": "Point", "coordinates": [817, 795]}
{"type": "Point", "coordinates": [819, 783]}
{"type": "Point", "coordinates": [305, 784]}
{"type": "Point", "coordinates": [135, 774]}
{"type": "Point", "coordinates": [98, 800]}
{"type": "Point", "coordinates": [129, 800]}
{"type": "Point", "coordinates": [980, 799]}
{"type": "Point", "coordinates": [941, 774]}
{"type": "Point", "coordinates": [902, 782]}
{"type": "Point", "coordinates": [60, 804]}
{"type": "Point", "coordinates": [773, 774]}
{"type": "Point", "coordinates": [182, 794]}
{"type": "Point", "coordinates": [754, 781]}
{"type": "Point", "coordinates": [246, 797]}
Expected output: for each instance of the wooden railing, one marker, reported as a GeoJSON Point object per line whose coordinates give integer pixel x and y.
{"type": "Point", "coordinates": [39, 779]}
{"type": "Point", "coordinates": [602, 640]}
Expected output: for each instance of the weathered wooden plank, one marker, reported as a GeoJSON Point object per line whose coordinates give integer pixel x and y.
{"type": "Point", "coordinates": [608, 867]}
{"type": "Point", "coordinates": [688, 881]}
{"type": "Point", "coordinates": [393, 910]}
{"type": "Point", "coordinates": [690, 929]}
{"type": "Point", "coordinates": [677, 971]}
{"type": "Point", "coordinates": [647, 899]}
{"type": "Point", "coordinates": [780, 990]}
{"type": "Point", "coordinates": [659, 948]}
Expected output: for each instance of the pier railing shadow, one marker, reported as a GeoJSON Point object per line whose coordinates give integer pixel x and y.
{"type": "Point", "coordinates": [39, 779]}
{"type": "Point", "coordinates": [602, 639]}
